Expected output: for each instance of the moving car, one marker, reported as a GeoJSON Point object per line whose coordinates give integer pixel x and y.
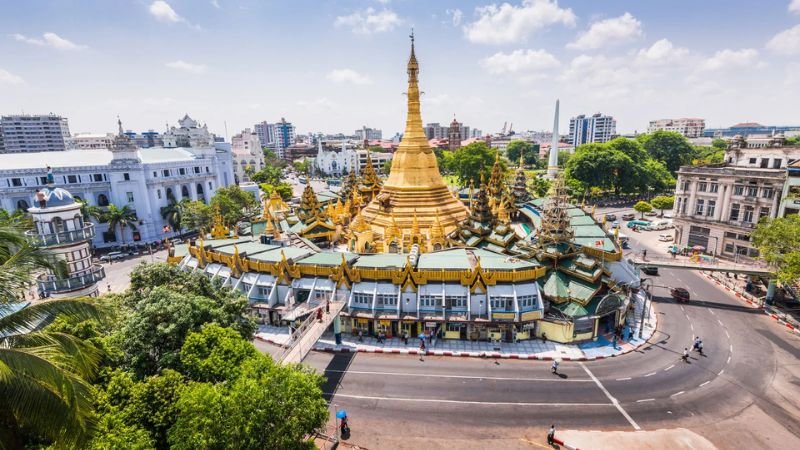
{"type": "Point", "coordinates": [680, 294]}
{"type": "Point", "coordinates": [666, 237]}
{"type": "Point", "coordinates": [611, 217]}
{"type": "Point", "coordinates": [659, 225]}
{"type": "Point", "coordinates": [113, 256]}
{"type": "Point", "coordinates": [615, 224]}
{"type": "Point", "coordinates": [629, 216]}
{"type": "Point", "coordinates": [651, 213]}
{"type": "Point", "coordinates": [650, 270]}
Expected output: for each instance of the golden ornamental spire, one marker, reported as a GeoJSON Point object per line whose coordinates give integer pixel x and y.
{"type": "Point", "coordinates": [436, 229]}
{"type": "Point", "coordinates": [415, 225]}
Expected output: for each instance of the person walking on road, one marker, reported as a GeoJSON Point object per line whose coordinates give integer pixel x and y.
{"type": "Point", "coordinates": [551, 435]}
{"type": "Point", "coordinates": [696, 345]}
{"type": "Point", "coordinates": [554, 367]}
{"type": "Point", "coordinates": [685, 356]}
{"type": "Point", "coordinates": [360, 336]}
{"type": "Point", "coordinates": [700, 346]}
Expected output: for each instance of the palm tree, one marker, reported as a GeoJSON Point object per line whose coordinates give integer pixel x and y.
{"type": "Point", "coordinates": [124, 217]}
{"type": "Point", "coordinates": [173, 213]}
{"type": "Point", "coordinates": [92, 212]}
{"type": "Point", "coordinates": [43, 387]}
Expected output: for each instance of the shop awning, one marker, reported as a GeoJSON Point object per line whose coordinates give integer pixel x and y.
{"type": "Point", "coordinates": [367, 287]}
{"type": "Point", "coordinates": [249, 278]}
{"type": "Point", "coordinates": [224, 272]}
{"type": "Point", "coordinates": [212, 268]}
{"type": "Point", "coordinates": [387, 288]}
{"type": "Point", "coordinates": [526, 289]}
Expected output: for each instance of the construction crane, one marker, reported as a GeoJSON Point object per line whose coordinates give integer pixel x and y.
{"type": "Point", "coordinates": [503, 133]}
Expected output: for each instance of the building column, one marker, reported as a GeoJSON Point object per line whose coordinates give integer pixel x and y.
{"type": "Point", "coordinates": [193, 191]}
{"type": "Point", "coordinates": [723, 207]}
{"type": "Point", "coordinates": [337, 329]}
{"type": "Point", "coordinates": [692, 198]}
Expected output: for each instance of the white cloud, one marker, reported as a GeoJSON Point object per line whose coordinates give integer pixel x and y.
{"type": "Point", "coordinates": [348, 76]}
{"type": "Point", "coordinates": [369, 21]}
{"type": "Point", "coordinates": [601, 76]}
{"type": "Point", "coordinates": [50, 39]}
{"type": "Point", "coordinates": [163, 12]}
{"type": "Point", "coordinates": [787, 42]}
{"type": "Point", "coordinates": [187, 67]}
{"type": "Point", "coordinates": [506, 23]}
{"type": "Point", "coordinates": [731, 58]}
{"type": "Point", "coordinates": [455, 15]}
{"type": "Point", "coordinates": [215, 4]}
{"type": "Point", "coordinates": [7, 77]}
{"type": "Point", "coordinates": [794, 6]}
{"type": "Point", "coordinates": [661, 52]}
{"type": "Point", "coordinates": [524, 62]}
{"type": "Point", "coordinates": [609, 32]}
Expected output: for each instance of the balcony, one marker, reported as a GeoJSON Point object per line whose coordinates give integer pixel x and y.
{"type": "Point", "coordinates": [50, 284]}
{"type": "Point", "coordinates": [65, 237]}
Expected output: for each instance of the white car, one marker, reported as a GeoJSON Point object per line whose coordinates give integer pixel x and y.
{"type": "Point", "coordinates": [665, 237]}
{"type": "Point", "coordinates": [667, 215]}
{"type": "Point", "coordinates": [113, 256]}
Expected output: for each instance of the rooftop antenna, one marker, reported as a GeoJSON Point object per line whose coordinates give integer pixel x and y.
{"type": "Point", "coordinates": [226, 130]}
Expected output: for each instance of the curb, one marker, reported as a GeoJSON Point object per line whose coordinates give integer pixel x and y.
{"type": "Point", "coordinates": [563, 444]}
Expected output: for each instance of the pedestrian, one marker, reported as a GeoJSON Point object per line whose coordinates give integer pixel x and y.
{"type": "Point", "coordinates": [644, 254]}
{"type": "Point", "coordinates": [544, 338]}
{"type": "Point", "coordinates": [422, 344]}
{"type": "Point", "coordinates": [700, 347]}
{"type": "Point", "coordinates": [50, 178]}
{"type": "Point", "coordinates": [685, 355]}
{"type": "Point", "coordinates": [109, 287]}
{"type": "Point", "coordinates": [319, 315]}
{"type": "Point", "coordinates": [696, 344]}
{"type": "Point", "coordinates": [327, 306]}
{"type": "Point", "coordinates": [360, 336]}
{"type": "Point", "coordinates": [551, 435]}
{"type": "Point", "coordinates": [405, 337]}
{"type": "Point", "coordinates": [554, 367]}
{"type": "Point", "coordinates": [614, 342]}
{"type": "Point", "coordinates": [40, 198]}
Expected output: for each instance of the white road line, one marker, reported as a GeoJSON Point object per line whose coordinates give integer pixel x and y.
{"type": "Point", "coordinates": [727, 335]}
{"type": "Point", "coordinates": [682, 309]}
{"type": "Point", "coordinates": [720, 323]}
{"type": "Point", "coordinates": [711, 311]}
{"type": "Point", "coordinates": [645, 400]}
{"type": "Point", "coordinates": [610, 397]}
{"type": "Point", "coordinates": [670, 367]}
{"type": "Point", "coordinates": [650, 374]}
{"type": "Point", "coordinates": [463, 402]}
{"type": "Point", "coordinates": [624, 379]}
{"type": "Point", "coordinates": [692, 327]}
{"type": "Point", "coordinates": [677, 394]}
{"type": "Point", "coordinates": [709, 381]}
{"type": "Point", "coordinates": [731, 348]}
{"type": "Point", "coordinates": [721, 372]}
{"type": "Point", "coordinates": [467, 377]}
{"type": "Point", "coordinates": [729, 360]}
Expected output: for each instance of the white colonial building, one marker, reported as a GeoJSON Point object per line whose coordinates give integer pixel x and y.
{"type": "Point", "coordinates": [247, 152]}
{"type": "Point", "coordinates": [347, 158]}
{"type": "Point", "coordinates": [188, 134]}
{"type": "Point", "coordinates": [142, 178]}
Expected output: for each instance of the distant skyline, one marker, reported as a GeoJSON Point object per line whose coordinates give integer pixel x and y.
{"type": "Point", "coordinates": [333, 66]}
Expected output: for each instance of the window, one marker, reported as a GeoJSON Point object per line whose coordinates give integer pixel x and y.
{"type": "Point", "coordinates": [752, 191]}
{"type": "Point", "coordinates": [16, 182]}
{"type": "Point", "coordinates": [182, 171]}
{"type": "Point", "coordinates": [386, 300]}
{"type": "Point", "coordinates": [685, 185]}
{"type": "Point", "coordinates": [714, 187]}
{"type": "Point", "coordinates": [429, 301]}
{"type": "Point", "coordinates": [743, 237]}
{"type": "Point", "coordinates": [126, 176]}
{"type": "Point", "coordinates": [42, 180]}
{"type": "Point", "coordinates": [362, 298]}
{"type": "Point", "coordinates": [763, 212]}
{"type": "Point", "coordinates": [767, 192]}
{"type": "Point", "coordinates": [210, 186]}
{"type": "Point", "coordinates": [712, 205]}
{"type": "Point", "coordinates": [764, 163]}
{"type": "Point", "coordinates": [702, 186]}
{"type": "Point", "coordinates": [455, 301]}
{"type": "Point", "coordinates": [738, 189]}
{"type": "Point", "coordinates": [526, 301]}
{"type": "Point", "coordinates": [748, 214]}
{"type": "Point", "coordinates": [165, 172]}
{"type": "Point", "coordinates": [728, 248]}
{"type": "Point", "coordinates": [130, 196]}
{"type": "Point", "coordinates": [197, 169]}
{"type": "Point", "coordinates": [502, 303]}
{"type": "Point", "coordinates": [102, 200]}
{"type": "Point", "coordinates": [158, 193]}
{"type": "Point", "coordinates": [729, 234]}
{"type": "Point", "coordinates": [734, 212]}
{"type": "Point", "coordinates": [97, 178]}
{"type": "Point", "coordinates": [72, 179]}
{"type": "Point", "coordinates": [776, 163]}
{"type": "Point", "coordinates": [155, 174]}
{"type": "Point", "coordinates": [699, 206]}
{"type": "Point", "coordinates": [752, 160]}
{"type": "Point", "coordinates": [208, 170]}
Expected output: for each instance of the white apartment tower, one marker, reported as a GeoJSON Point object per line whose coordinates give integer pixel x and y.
{"type": "Point", "coordinates": [39, 133]}
{"type": "Point", "coordinates": [596, 128]}
{"type": "Point", "coordinates": [687, 126]}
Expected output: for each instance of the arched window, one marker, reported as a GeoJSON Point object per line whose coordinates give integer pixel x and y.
{"type": "Point", "coordinates": [170, 194]}
{"type": "Point", "coordinates": [58, 225]}
{"type": "Point", "coordinates": [102, 200]}
{"type": "Point", "coordinates": [199, 189]}
{"type": "Point", "coordinates": [23, 205]}
{"type": "Point", "coordinates": [184, 191]}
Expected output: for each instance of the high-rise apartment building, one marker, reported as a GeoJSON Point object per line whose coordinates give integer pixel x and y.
{"type": "Point", "coordinates": [37, 133]}
{"type": "Point", "coordinates": [596, 128]}
{"type": "Point", "coordinates": [369, 134]}
{"type": "Point", "coordinates": [265, 132]}
{"type": "Point", "coordinates": [284, 136]}
{"type": "Point", "coordinates": [687, 126]}
{"type": "Point", "coordinates": [437, 131]}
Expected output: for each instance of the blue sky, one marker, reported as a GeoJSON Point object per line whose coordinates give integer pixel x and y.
{"type": "Point", "coordinates": [337, 65]}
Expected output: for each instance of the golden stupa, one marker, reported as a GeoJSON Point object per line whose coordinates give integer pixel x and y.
{"type": "Point", "coordinates": [414, 186]}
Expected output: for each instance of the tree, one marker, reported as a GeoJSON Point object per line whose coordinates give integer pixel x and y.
{"type": "Point", "coordinates": [262, 398]}
{"type": "Point", "coordinates": [471, 161]}
{"type": "Point", "coordinates": [196, 215]}
{"type": "Point", "coordinates": [642, 207]}
{"type": "Point", "coordinates": [719, 144]}
{"type": "Point", "coordinates": [122, 218]}
{"type": "Point", "coordinates": [597, 165]}
{"type": "Point", "coordinates": [284, 189]}
{"type": "Point", "coordinates": [669, 147]}
{"type": "Point", "coordinates": [663, 202]}
{"type": "Point", "coordinates": [173, 213]}
{"type": "Point", "coordinates": [43, 376]}
{"type": "Point", "coordinates": [656, 176]}
{"type": "Point", "coordinates": [270, 174]}
{"type": "Point", "coordinates": [19, 259]}
{"type": "Point", "coordinates": [563, 158]}
{"type": "Point", "coordinates": [214, 354]}
{"type": "Point", "coordinates": [708, 155]}
{"type": "Point", "coordinates": [234, 204]}
{"type": "Point", "coordinates": [539, 186]}
{"type": "Point", "coordinates": [778, 242]}
{"type": "Point", "coordinates": [529, 151]}
{"type": "Point", "coordinates": [90, 212]}
{"type": "Point", "coordinates": [387, 166]}
{"type": "Point", "coordinates": [271, 159]}
{"type": "Point", "coordinates": [303, 166]}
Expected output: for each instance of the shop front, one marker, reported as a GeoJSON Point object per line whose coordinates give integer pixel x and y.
{"type": "Point", "coordinates": [387, 326]}
{"type": "Point", "coordinates": [455, 330]}
{"type": "Point", "coordinates": [409, 327]}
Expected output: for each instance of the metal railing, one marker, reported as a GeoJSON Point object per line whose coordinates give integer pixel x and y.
{"type": "Point", "coordinates": [54, 285]}
{"type": "Point", "coordinates": [64, 237]}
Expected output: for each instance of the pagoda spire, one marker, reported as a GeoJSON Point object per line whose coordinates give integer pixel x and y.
{"type": "Point", "coordinates": [552, 163]}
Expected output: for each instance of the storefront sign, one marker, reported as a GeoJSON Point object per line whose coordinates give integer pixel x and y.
{"type": "Point", "coordinates": [504, 316]}
{"type": "Point", "coordinates": [362, 321]}
{"type": "Point", "coordinates": [531, 315]}
{"type": "Point", "coordinates": [430, 324]}
{"type": "Point", "coordinates": [385, 322]}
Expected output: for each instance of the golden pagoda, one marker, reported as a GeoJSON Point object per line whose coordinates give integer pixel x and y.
{"type": "Point", "coordinates": [414, 181]}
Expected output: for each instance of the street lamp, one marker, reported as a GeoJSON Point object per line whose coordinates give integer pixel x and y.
{"type": "Point", "coordinates": [644, 305]}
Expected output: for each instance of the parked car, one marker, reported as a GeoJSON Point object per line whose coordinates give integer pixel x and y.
{"type": "Point", "coordinates": [629, 216]}
{"type": "Point", "coordinates": [650, 270]}
{"type": "Point", "coordinates": [651, 213]}
{"type": "Point", "coordinates": [667, 215]}
{"type": "Point", "coordinates": [614, 225]}
{"type": "Point", "coordinates": [611, 217]}
{"type": "Point", "coordinates": [659, 225]}
{"type": "Point", "coordinates": [667, 237]}
{"type": "Point", "coordinates": [113, 256]}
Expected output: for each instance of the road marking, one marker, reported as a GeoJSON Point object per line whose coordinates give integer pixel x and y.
{"type": "Point", "coordinates": [711, 311]}
{"type": "Point", "coordinates": [729, 360]}
{"type": "Point", "coordinates": [645, 400]}
{"type": "Point", "coordinates": [727, 335]}
{"type": "Point", "coordinates": [534, 443]}
{"type": "Point", "coordinates": [467, 377]}
{"type": "Point", "coordinates": [610, 397]}
{"type": "Point", "coordinates": [670, 367]}
{"type": "Point", "coordinates": [721, 372]}
{"type": "Point", "coordinates": [709, 381]}
{"type": "Point", "coordinates": [624, 379]}
{"type": "Point", "coordinates": [720, 323]}
{"type": "Point", "coordinates": [677, 394]}
{"type": "Point", "coordinates": [682, 309]}
{"type": "Point", "coordinates": [731, 348]}
{"type": "Point", "coordinates": [650, 374]}
{"type": "Point", "coordinates": [461, 402]}
{"type": "Point", "coordinates": [692, 327]}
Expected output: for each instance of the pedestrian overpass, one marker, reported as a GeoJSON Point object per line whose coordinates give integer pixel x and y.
{"type": "Point", "coordinates": [302, 339]}
{"type": "Point", "coordinates": [712, 265]}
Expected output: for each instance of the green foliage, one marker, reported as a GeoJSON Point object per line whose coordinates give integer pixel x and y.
{"type": "Point", "coordinates": [539, 186]}
{"type": "Point", "coordinates": [720, 144]}
{"type": "Point", "coordinates": [599, 165]}
{"type": "Point", "coordinates": [642, 207]}
{"type": "Point", "coordinates": [778, 242]}
{"type": "Point", "coordinates": [471, 161]}
{"type": "Point", "coordinates": [234, 204]}
{"type": "Point", "coordinates": [270, 174]}
{"type": "Point", "coordinates": [122, 217]}
{"type": "Point", "coordinates": [173, 213]}
{"type": "Point", "coordinates": [708, 155]}
{"type": "Point", "coordinates": [90, 212]}
{"type": "Point", "coordinates": [282, 402]}
{"type": "Point", "coordinates": [529, 150]}
{"type": "Point", "coordinates": [657, 176]}
{"type": "Point", "coordinates": [669, 147]}
{"type": "Point", "coordinates": [197, 216]}
{"type": "Point", "coordinates": [563, 158]}
{"type": "Point", "coordinates": [271, 159]}
{"type": "Point", "coordinates": [387, 166]}
{"type": "Point", "coordinates": [114, 433]}
{"type": "Point", "coordinates": [663, 202]}
{"type": "Point", "coordinates": [303, 166]}
{"type": "Point", "coordinates": [284, 189]}
{"type": "Point", "coordinates": [214, 354]}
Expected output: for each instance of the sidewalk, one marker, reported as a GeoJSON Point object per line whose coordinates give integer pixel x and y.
{"type": "Point", "coordinates": [529, 349]}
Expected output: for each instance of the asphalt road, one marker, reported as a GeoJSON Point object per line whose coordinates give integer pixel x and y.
{"type": "Point", "coordinates": [741, 394]}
